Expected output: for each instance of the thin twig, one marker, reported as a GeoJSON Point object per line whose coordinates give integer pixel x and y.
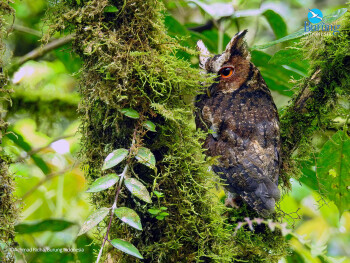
{"type": "Point", "coordinates": [27, 30]}
{"type": "Point", "coordinates": [34, 151]}
{"type": "Point", "coordinates": [112, 211]}
{"type": "Point", "coordinates": [40, 51]}
{"type": "Point", "coordinates": [44, 180]}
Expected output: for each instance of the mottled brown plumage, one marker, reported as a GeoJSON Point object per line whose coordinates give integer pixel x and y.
{"type": "Point", "coordinates": [242, 118]}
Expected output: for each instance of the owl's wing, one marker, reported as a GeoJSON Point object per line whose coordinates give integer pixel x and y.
{"type": "Point", "coordinates": [250, 163]}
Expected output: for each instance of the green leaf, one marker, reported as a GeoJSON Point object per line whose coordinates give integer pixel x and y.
{"type": "Point", "coordinates": [145, 156]}
{"type": "Point", "coordinates": [292, 57]}
{"type": "Point", "coordinates": [276, 22]}
{"type": "Point", "coordinates": [164, 214]}
{"type": "Point", "coordinates": [215, 10]}
{"type": "Point", "coordinates": [164, 208]}
{"type": "Point", "coordinates": [103, 183]}
{"type": "Point", "coordinates": [150, 126]}
{"type": "Point", "coordinates": [126, 247]}
{"type": "Point", "coordinates": [301, 32]}
{"type": "Point", "coordinates": [276, 77]}
{"type": "Point", "coordinates": [334, 16]}
{"type": "Point", "coordinates": [333, 169]}
{"type": "Point", "coordinates": [89, 246]}
{"type": "Point", "coordinates": [160, 217]}
{"type": "Point", "coordinates": [285, 56]}
{"type": "Point", "coordinates": [19, 140]}
{"type": "Point", "coordinates": [115, 158]}
{"type": "Point", "coordinates": [131, 113]}
{"type": "Point", "coordinates": [154, 211]}
{"type": "Point", "coordinates": [93, 220]}
{"type": "Point", "coordinates": [53, 225]}
{"type": "Point", "coordinates": [129, 217]}
{"type": "Point", "coordinates": [158, 194]}
{"type": "Point", "coordinates": [110, 9]}
{"type": "Point", "coordinates": [138, 189]}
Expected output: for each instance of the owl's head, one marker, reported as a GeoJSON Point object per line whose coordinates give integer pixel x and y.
{"type": "Point", "coordinates": [232, 66]}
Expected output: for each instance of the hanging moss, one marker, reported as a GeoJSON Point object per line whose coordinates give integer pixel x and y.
{"type": "Point", "coordinates": [8, 211]}
{"type": "Point", "coordinates": [129, 61]}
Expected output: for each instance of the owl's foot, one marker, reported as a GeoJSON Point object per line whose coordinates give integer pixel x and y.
{"type": "Point", "coordinates": [231, 201]}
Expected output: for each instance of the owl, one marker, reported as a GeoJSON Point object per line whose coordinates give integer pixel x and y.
{"type": "Point", "coordinates": [242, 122]}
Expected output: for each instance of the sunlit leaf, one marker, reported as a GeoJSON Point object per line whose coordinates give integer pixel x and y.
{"type": "Point", "coordinates": [276, 22]}
{"type": "Point", "coordinates": [318, 249]}
{"type": "Point", "coordinates": [53, 225]}
{"type": "Point", "coordinates": [129, 217]}
{"type": "Point", "coordinates": [115, 158]}
{"type": "Point", "coordinates": [131, 113]}
{"type": "Point", "coordinates": [154, 211]}
{"type": "Point", "coordinates": [103, 183]}
{"type": "Point", "coordinates": [333, 168]}
{"type": "Point", "coordinates": [145, 156]}
{"type": "Point", "coordinates": [158, 194]}
{"type": "Point", "coordinates": [110, 9]}
{"type": "Point", "coordinates": [93, 220]}
{"type": "Point", "coordinates": [137, 189]}
{"type": "Point", "coordinates": [215, 10]}
{"type": "Point", "coordinates": [126, 247]}
{"type": "Point", "coordinates": [150, 126]}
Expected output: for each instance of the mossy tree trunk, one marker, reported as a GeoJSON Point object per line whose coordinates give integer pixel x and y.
{"type": "Point", "coordinates": [8, 209]}
{"type": "Point", "coordinates": [130, 62]}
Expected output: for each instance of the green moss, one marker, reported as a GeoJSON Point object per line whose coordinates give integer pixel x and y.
{"type": "Point", "coordinates": [315, 106]}
{"type": "Point", "coordinates": [129, 61]}
{"type": "Point", "coordinates": [8, 211]}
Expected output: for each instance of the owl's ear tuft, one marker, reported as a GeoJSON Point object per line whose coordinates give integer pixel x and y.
{"type": "Point", "coordinates": [204, 54]}
{"type": "Point", "coordinates": [237, 45]}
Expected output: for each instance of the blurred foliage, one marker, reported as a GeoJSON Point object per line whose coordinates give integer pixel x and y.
{"type": "Point", "coordinates": [43, 136]}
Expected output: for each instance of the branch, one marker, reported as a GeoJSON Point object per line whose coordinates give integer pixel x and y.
{"type": "Point", "coordinates": [27, 30]}
{"type": "Point", "coordinates": [44, 180]}
{"type": "Point", "coordinates": [40, 51]}
{"type": "Point", "coordinates": [298, 117]}
{"type": "Point", "coordinates": [207, 26]}
{"type": "Point", "coordinates": [34, 151]}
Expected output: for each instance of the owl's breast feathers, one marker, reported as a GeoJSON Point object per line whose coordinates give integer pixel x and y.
{"type": "Point", "coordinates": [245, 134]}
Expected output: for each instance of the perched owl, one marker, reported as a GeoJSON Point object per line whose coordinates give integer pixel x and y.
{"type": "Point", "coordinates": [242, 120]}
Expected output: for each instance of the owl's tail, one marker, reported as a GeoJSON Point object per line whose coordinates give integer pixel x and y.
{"type": "Point", "coordinates": [264, 198]}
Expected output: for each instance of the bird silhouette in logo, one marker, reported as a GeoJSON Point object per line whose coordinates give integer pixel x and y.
{"type": "Point", "coordinates": [315, 15]}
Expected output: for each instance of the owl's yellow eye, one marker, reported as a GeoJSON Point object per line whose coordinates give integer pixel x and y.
{"type": "Point", "coordinates": [226, 72]}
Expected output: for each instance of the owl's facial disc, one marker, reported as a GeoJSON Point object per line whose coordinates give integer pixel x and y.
{"type": "Point", "coordinates": [213, 64]}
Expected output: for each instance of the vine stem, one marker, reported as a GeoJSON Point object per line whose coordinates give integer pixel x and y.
{"type": "Point", "coordinates": [114, 206]}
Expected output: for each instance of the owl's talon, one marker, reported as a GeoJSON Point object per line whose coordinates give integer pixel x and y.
{"type": "Point", "coordinates": [230, 201]}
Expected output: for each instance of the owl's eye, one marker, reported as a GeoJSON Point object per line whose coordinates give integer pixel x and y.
{"type": "Point", "coordinates": [226, 72]}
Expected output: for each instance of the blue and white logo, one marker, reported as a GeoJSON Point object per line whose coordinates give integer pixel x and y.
{"type": "Point", "coordinates": [316, 24]}
{"type": "Point", "coordinates": [315, 15]}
